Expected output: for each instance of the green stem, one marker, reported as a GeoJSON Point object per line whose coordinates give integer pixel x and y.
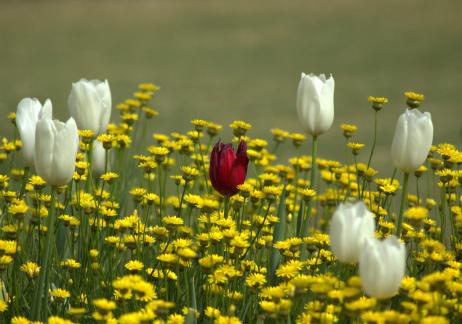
{"type": "Point", "coordinates": [106, 160]}
{"type": "Point", "coordinates": [374, 141]}
{"type": "Point", "coordinates": [279, 234]}
{"type": "Point", "coordinates": [371, 154]}
{"type": "Point", "coordinates": [88, 184]}
{"type": "Point", "coordinates": [443, 214]}
{"type": "Point", "coordinates": [187, 288]}
{"type": "Point", "coordinates": [417, 190]}
{"type": "Point", "coordinates": [161, 194]}
{"type": "Point", "coordinates": [42, 291]}
{"type": "Point", "coordinates": [357, 178]}
{"type": "Point", "coordinates": [427, 179]}
{"type": "Point", "coordinates": [348, 193]}
{"type": "Point", "coordinates": [378, 209]}
{"type": "Point", "coordinates": [258, 231]}
{"type": "Point", "coordinates": [24, 182]}
{"type": "Point", "coordinates": [275, 148]}
{"type": "Point", "coordinates": [314, 152]}
{"type": "Point", "coordinates": [455, 236]}
{"type": "Point", "coordinates": [140, 140]}
{"type": "Point", "coordinates": [204, 169]}
{"type": "Point", "coordinates": [181, 199]}
{"type": "Point", "coordinates": [240, 214]}
{"type": "Point", "coordinates": [393, 175]}
{"type": "Point", "coordinates": [300, 218]}
{"type": "Point", "coordinates": [403, 203]}
{"type": "Point", "coordinates": [226, 207]}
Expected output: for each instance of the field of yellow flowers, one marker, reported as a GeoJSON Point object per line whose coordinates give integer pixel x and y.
{"type": "Point", "coordinates": [210, 227]}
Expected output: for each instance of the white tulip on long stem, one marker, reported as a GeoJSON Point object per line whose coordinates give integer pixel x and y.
{"type": "Point", "coordinates": [351, 225]}
{"type": "Point", "coordinates": [315, 108]}
{"type": "Point", "coordinates": [382, 266]}
{"type": "Point", "coordinates": [411, 143]}
{"type": "Point", "coordinates": [29, 111]}
{"type": "Point", "coordinates": [56, 145]}
{"type": "Point", "coordinates": [90, 104]}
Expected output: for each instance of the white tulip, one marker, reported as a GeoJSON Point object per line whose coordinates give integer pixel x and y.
{"type": "Point", "coordinates": [90, 104]}
{"type": "Point", "coordinates": [56, 145]}
{"type": "Point", "coordinates": [98, 159]}
{"type": "Point", "coordinates": [29, 111]}
{"type": "Point", "coordinates": [315, 103]}
{"type": "Point", "coordinates": [350, 226]}
{"type": "Point", "coordinates": [412, 140]}
{"type": "Point", "coordinates": [382, 266]}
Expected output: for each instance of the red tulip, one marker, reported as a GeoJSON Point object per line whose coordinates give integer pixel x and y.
{"type": "Point", "coordinates": [227, 168]}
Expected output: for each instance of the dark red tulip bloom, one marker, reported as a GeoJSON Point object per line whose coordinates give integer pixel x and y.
{"type": "Point", "coordinates": [228, 168]}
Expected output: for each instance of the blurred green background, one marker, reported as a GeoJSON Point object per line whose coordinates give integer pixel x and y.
{"type": "Point", "coordinates": [227, 60]}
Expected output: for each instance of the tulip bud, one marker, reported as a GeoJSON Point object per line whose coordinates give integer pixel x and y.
{"type": "Point", "coordinates": [227, 168]}
{"type": "Point", "coordinates": [412, 140]}
{"type": "Point", "coordinates": [381, 266]}
{"type": "Point", "coordinates": [315, 103]}
{"type": "Point", "coordinates": [351, 224]}
{"type": "Point", "coordinates": [90, 104]}
{"type": "Point", "coordinates": [27, 115]}
{"type": "Point", "coordinates": [98, 159]}
{"type": "Point", "coordinates": [56, 145]}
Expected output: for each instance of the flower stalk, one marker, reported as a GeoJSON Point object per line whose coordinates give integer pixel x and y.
{"type": "Point", "coordinates": [40, 305]}
{"type": "Point", "coordinates": [403, 204]}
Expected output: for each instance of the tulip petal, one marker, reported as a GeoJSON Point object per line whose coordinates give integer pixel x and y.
{"type": "Point", "coordinates": [27, 115]}
{"type": "Point", "coordinates": [44, 144]}
{"type": "Point", "coordinates": [47, 110]}
{"type": "Point", "coordinates": [214, 164]}
{"type": "Point", "coordinates": [106, 104]}
{"type": "Point", "coordinates": [65, 150]}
